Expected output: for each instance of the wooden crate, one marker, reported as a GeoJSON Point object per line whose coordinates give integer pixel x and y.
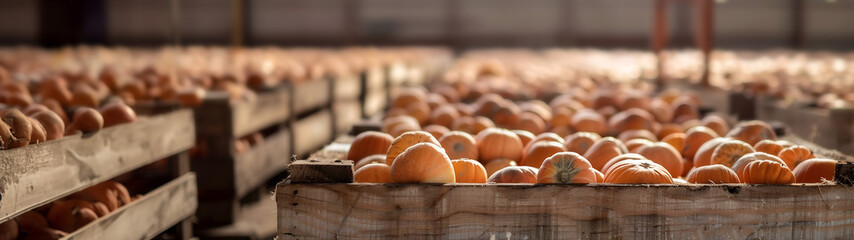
{"type": "Point", "coordinates": [315, 204]}
{"type": "Point", "coordinates": [148, 216]}
{"type": "Point", "coordinates": [312, 132]}
{"type": "Point", "coordinates": [226, 175]}
{"type": "Point", "coordinates": [346, 102]}
{"type": "Point", "coordinates": [38, 174]}
{"type": "Point", "coordinates": [311, 95]}
{"type": "Point", "coordinates": [714, 99]}
{"type": "Point", "coordinates": [376, 94]}
{"type": "Point", "coordinates": [830, 128]}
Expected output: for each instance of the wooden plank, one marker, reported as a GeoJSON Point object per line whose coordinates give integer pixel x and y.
{"type": "Point", "coordinates": [311, 95]}
{"type": "Point", "coordinates": [254, 221]}
{"type": "Point", "coordinates": [147, 217]}
{"type": "Point", "coordinates": [829, 128]}
{"type": "Point", "coordinates": [364, 126]}
{"type": "Point", "coordinates": [321, 171]}
{"type": "Point", "coordinates": [270, 108]}
{"type": "Point", "coordinates": [254, 167]}
{"type": "Point", "coordinates": [38, 174]}
{"type": "Point", "coordinates": [346, 88]}
{"type": "Point", "coordinates": [466, 211]}
{"type": "Point", "coordinates": [374, 103]}
{"type": "Point", "coordinates": [347, 113]}
{"type": "Point", "coordinates": [312, 132]}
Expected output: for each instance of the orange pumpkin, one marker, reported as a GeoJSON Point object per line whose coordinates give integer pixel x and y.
{"type": "Point", "coordinates": [406, 140]}
{"type": "Point", "coordinates": [373, 173]}
{"type": "Point", "coordinates": [665, 155]}
{"type": "Point", "coordinates": [70, 215]}
{"type": "Point", "coordinates": [459, 145]}
{"type": "Point", "coordinates": [728, 152]}
{"type": "Point", "coordinates": [638, 171]}
{"type": "Point", "coordinates": [566, 167]}
{"type": "Point", "coordinates": [662, 110]}
{"type": "Point", "coordinates": [694, 138]}
{"type": "Point", "coordinates": [600, 177]}
{"type": "Point", "coordinates": [562, 116]}
{"type": "Point", "coordinates": [703, 156]}
{"type": "Point", "coordinates": [408, 96]}
{"type": "Point", "coordinates": [769, 147]}
{"type": "Point", "coordinates": [742, 162]}
{"type": "Point", "coordinates": [376, 158]}
{"type": "Point", "coordinates": [369, 143]}
{"type": "Point", "coordinates": [635, 144]}
{"type": "Point", "coordinates": [667, 129]}
{"type": "Point", "coordinates": [463, 124]}
{"type": "Point", "coordinates": [677, 140]}
{"type": "Point", "coordinates": [423, 163]}
{"type": "Point", "coordinates": [469, 171]}
{"type": "Point", "coordinates": [498, 164]}
{"type": "Point", "coordinates": [589, 121]}
{"type": "Point", "coordinates": [716, 123]}
{"type": "Point", "coordinates": [436, 130]}
{"type": "Point", "coordinates": [767, 172]}
{"type": "Point", "coordinates": [444, 116]}
{"type": "Point", "coordinates": [632, 119]}
{"type": "Point", "coordinates": [684, 110]}
{"type": "Point", "coordinates": [712, 174]}
{"type": "Point", "coordinates": [603, 150]}
{"type": "Point", "coordinates": [752, 132]}
{"type": "Point", "coordinates": [494, 143]}
{"type": "Point", "coordinates": [524, 136]}
{"type": "Point", "coordinates": [620, 158]}
{"type": "Point", "coordinates": [539, 151]}
{"type": "Point", "coordinates": [634, 134]}
{"type": "Point", "coordinates": [579, 142]}
{"type": "Point", "coordinates": [396, 126]}
{"type": "Point", "coordinates": [514, 174]}
{"type": "Point", "coordinates": [794, 155]}
{"type": "Point", "coordinates": [481, 123]}
{"type": "Point", "coordinates": [815, 170]}
{"type": "Point", "coordinates": [531, 122]}
{"type": "Point", "coordinates": [507, 115]}
{"type": "Point", "coordinates": [553, 137]}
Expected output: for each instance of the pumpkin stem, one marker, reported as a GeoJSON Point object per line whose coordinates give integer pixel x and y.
{"type": "Point", "coordinates": [566, 170]}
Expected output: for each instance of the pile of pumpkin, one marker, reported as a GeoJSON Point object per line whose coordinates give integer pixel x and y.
{"type": "Point", "coordinates": [56, 220]}
{"type": "Point", "coordinates": [562, 142]}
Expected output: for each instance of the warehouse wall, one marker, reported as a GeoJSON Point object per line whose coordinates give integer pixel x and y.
{"type": "Point", "coordinates": [466, 23]}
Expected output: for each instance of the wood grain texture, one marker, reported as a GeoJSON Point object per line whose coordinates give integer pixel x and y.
{"type": "Point", "coordinates": [37, 174]}
{"type": "Point", "coordinates": [312, 132]}
{"type": "Point", "coordinates": [311, 95]}
{"type": "Point", "coordinates": [270, 108]}
{"type": "Point", "coordinates": [346, 88]}
{"type": "Point", "coordinates": [321, 171]}
{"type": "Point", "coordinates": [147, 217]}
{"type": "Point", "coordinates": [466, 211]}
{"type": "Point", "coordinates": [262, 162]}
{"type": "Point", "coordinates": [830, 128]}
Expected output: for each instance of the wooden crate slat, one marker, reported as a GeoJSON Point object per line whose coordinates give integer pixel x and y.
{"type": "Point", "coordinates": [347, 113]}
{"type": "Point", "coordinates": [147, 217]}
{"type": "Point", "coordinates": [830, 128]}
{"type": "Point", "coordinates": [270, 108]}
{"type": "Point", "coordinates": [375, 102]}
{"type": "Point", "coordinates": [375, 79]}
{"type": "Point", "coordinates": [312, 132]}
{"type": "Point", "coordinates": [311, 95]}
{"type": "Point", "coordinates": [38, 174]}
{"type": "Point", "coordinates": [346, 88]}
{"type": "Point", "coordinates": [262, 162]}
{"type": "Point", "coordinates": [549, 211]}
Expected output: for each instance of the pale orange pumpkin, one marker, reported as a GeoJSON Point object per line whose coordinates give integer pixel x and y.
{"type": "Point", "coordinates": [638, 171]}
{"type": "Point", "coordinates": [632, 119]}
{"type": "Point", "coordinates": [539, 151]}
{"type": "Point", "coordinates": [579, 142]}
{"type": "Point", "coordinates": [703, 156]}
{"type": "Point", "coordinates": [423, 163]}
{"type": "Point", "coordinates": [494, 143]}
{"type": "Point", "coordinates": [635, 144]}
{"type": "Point", "coordinates": [665, 155]}
{"type": "Point", "coordinates": [600, 177]}
{"type": "Point", "coordinates": [469, 171]}
{"type": "Point", "coordinates": [531, 122]}
{"type": "Point", "coordinates": [373, 173]}
{"type": "Point", "coordinates": [716, 123]}
{"type": "Point", "coordinates": [497, 164]}
{"type": "Point", "coordinates": [514, 174]}
{"type": "Point", "coordinates": [525, 136]}
{"type": "Point", "coordinates": [728, 152]}
{"type": "Point", "coordinates": [622, 157]}
{"type": "Point", "coordinates": [566, 167]}
{"type": "Point", "coordinates": [369, 143]}
{"type": "Point", "coordinates": [712, 174]}
{"type": "Point", "coordinates": [752, 132]}
{"type": "Point", "coordinates": [603, 150]}
{"type": "Point", "coordinates": [742, 162]}
{"type": "Point", "coordinates": [815, 170]}
{"type": "Point", "coordinates": [768, 146]}
{"type": "Point", "coordinates": [436, 130]}
{"type": "Point", "coordinates": [694, 138]}
{"type": "Point", "coordinates": [794, 155]}
{"type": "Point", "coordinates": [444, 116]}
{"type": "Point", "coordinates": [459, 145]}
{"type": "Point", "coordinates": [376, 158]}
{"type": "Point", "coordinates": [589, 121]}
{"type": "Point", "coordinates": [634, 134]}
{"type": "Point", "coordinates": [767, 172]}
{"type": "Point", "coordinates": [481, 123]}
{"type": "Point", "coordinates": [548, 136]}
{"type": "Point", "coordinates": [406, 140]}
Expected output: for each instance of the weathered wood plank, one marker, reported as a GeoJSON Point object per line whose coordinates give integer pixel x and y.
{"type": "Point", "coordinates": [311, 95]}
{"type": "Point", "coordinates": [37, 174]}
{"type": "Point", "coordinates": [147, 217]}
{"type": "Point", "coordinates": [262, 162]}
{"type": "Point", "coordinates": [270, 108]}
{"type": "Point", "coordinates": [254, 221]}
{"type": "Point", "coordinates": [375, 102]}
{"type": "Point", "coordinates": [321, 171]}
{"type": "Point", "coordinates": [346, 88]}
{"type": "Point", "coordinates": [347, 113]}
{"type": "Point", "coordinates": [312, 132]}
{"type": "Point", "coordinates": [830, 128]}
{"type": "Point", "coordinates": [466, 211]}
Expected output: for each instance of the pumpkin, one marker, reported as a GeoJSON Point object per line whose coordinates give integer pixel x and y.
{"type": "Point", "coordinates": [665, 155]}
{"type": "Point", "coordinates": [409, 96]}
{"type": "Point", "coordinates": [117, 113]}
{"type": "Point", "coordinates": [376, 158]}
{"type": "Point", "coordinates": [463, 124]}
{"type": "Point", "coordinates": [524, 136]}
{"type": "Point", "coordinates": [369, 143]}
{"type": "Point", "coordinates": [679, 181]}
{"type": "Point", "coordinates": [603, 150]}
{"type": "Point", "coordinates": [20, 127]}
{"type": "Point", "coordinates": [53, 124]}
{"type": "Point", "coordinates": [638, 171]}
{"type": "Point", "coordinates": [634, 134]}
{"type": "Point", "coordinates": [815, 170]}
{"type": "Point", "coordinates": [436, 130]}
{"type": "Point", "coordinates": [31, 220]}
{"type": "Point", "coordinates": [548, 136]}
{"type": "Point", "coordinates": [393, 124]}
{"type": "Point", "coordinates": [635, 144]}
{"type": "Point", "coordinates": [690, 124]}
{"type": "Point", "coordinates": [579, 142]}
{"type": "Point", "coordinates": [667, 129]}
{"type": "Point", "coordinates": [70, 215]}
{"type": "Point", "coordinates": [373, 173]}
{"type": "Point", "coordinates": [767, 172]}
{"type": "Point", "coordinates": [498, 164]}
{"type": "Point", "coordinates": [600, 177]}
{"type": "Point", "coordinates": [539, 151]}
{"type": "Point", "coordinates": [531, 122]}
{"type": "Point", "coordinates": [622, 157]}
{"type": "Point", "coordinates": [794, 155]}
{"type": "Point", "coordinates": [677, 140]}
{"type": "Point", "coordinates": [444, 116]}
{"type": "Point", "coordinates": [562, 116]}
{"type": "Point", "coordinates": [404, 141]}
{"type": "Point", "coordinates": [694, 138]}
{"type": "Point", "coordinates": [539, 108]}
{"type": "Point", "coordinates": [469, 171]}
{"type": "Point", "coordinates": [634, 99]}
{"type": "Point", "coordinates": [481, 123]}
{"type": "Point", "coordinates": [742, 162]}
{"type": "Point", "coordinates": [422, 163]}
{"type": "Point", "coordinates": [459, 145]}
{"type": "Point", "coordinates": [662, 110]}
{"type": "Point", "coordinates": [435, 101]}
{"type": "Point", "coordinates": [589, 121]}
{"type": "Point", "coordinates": [684, 110]}
{"type": "Point", "coordinates": [514, 174]}
{"type": "Point", "coordinates": [752, 132]}
{"type": "Point", "coordinates": [632, 119]}
{"type": "Point", "coordinates": [768, 146]}
{"type": "Point", "coordinates": [38, 134]}
{"type": "Point", "coordinates": [494, 143]}
{"type": "Point", "coordinates": [703, 156]}
{"type": "Point", "coordinates": [728, 152]}
{"type": "Point", "coordinates": [716, 123]}
{"type": "Point", "coordinates": [507, 115]}
{"type": "Point", "coordinates": [712, 174]}
{"type": "Point", "coordinates": [561, 130]}
{"type": "Point", "coordinates": [9, 230]}
{"type": "Point", "coordinates": [566, 167]}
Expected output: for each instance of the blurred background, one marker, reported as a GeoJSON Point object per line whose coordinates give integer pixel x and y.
{"type": "Point", "coordinates": [462, 24]}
